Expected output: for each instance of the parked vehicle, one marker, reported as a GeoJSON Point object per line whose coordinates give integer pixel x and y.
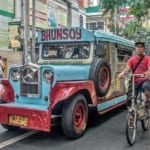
{"type": "Point", "coordinates": [76, 69]}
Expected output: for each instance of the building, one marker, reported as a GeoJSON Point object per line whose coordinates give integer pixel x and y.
{"type": "Point", "coordinates": [16, 29]}
{"type": "Point", "coordinates": [96, 20]}
{"type": "Point", "coordinates": [8, 32]}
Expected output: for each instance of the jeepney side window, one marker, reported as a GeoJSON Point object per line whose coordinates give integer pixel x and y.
{"type": "Point", "coordinates": [66, 51]}
{"type": "Point", "coordinates": [106, 53]}
{"type": "Point", "coordinates": [124, 53]}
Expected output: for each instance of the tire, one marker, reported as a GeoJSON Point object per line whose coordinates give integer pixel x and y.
{"type": "Point", "coordinates": [101, 75]}
{"type": "Point", "coordinates": [146, 121]}
{"type": "Point", "coordinates": [75, 116]}
{"type": "Point", "coordinates": [131, 128]}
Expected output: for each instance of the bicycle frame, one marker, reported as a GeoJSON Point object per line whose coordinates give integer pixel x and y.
{"type": "Point", "coordinates": [134, 114]}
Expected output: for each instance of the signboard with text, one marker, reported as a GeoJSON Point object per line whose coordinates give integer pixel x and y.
{"type": "Point", "coordinates": [65, 34]}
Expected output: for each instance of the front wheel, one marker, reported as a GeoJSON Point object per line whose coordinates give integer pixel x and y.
{"type": "Point", "coordinates": [146, 120]}
{"type": "Point", "coordinates": [75, 116]}
{"type": "Point", "coordinates": [131, 127]}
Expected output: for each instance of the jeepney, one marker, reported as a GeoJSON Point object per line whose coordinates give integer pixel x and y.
{"type": "Point", "coordinates": [76, 69]}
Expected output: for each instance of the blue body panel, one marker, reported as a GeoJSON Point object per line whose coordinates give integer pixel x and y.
{"type": "Point", "coordinates": [70, 72]}
{"type": "Point", "coordinates": [111, 103]}
{"type": "Point", "coordinates": [61, 73]}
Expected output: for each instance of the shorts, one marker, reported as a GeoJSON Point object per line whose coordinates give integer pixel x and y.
{"type": "Point", "coordinates": [144, 86]}
{"type": "Point", "coordinates": [1, 76]}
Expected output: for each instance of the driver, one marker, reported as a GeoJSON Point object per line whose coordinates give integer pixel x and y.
{"type": "Point", "coordinates": [138, 64]}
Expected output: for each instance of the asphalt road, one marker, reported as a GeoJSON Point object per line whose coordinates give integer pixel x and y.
{"type": "Point", "coordinates": [105, 132]}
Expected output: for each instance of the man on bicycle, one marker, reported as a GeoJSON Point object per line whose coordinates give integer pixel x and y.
{"type": "Point", "coordinates": [138, 64]}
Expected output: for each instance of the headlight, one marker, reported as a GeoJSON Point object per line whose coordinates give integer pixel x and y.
{"type": "Point", "coordinates": [48, 76]}
{"type": "Point", "coordinates": [15, 74]}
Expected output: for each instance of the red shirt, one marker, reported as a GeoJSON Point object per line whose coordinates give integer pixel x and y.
{"type": "Point", "coordinates": [141, 68]}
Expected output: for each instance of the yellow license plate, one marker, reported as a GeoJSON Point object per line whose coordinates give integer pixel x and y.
{"type": "Point", "coordinates": [18, 120]}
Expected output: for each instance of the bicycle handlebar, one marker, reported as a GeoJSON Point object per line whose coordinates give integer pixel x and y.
{"type": "Point", "coordinates": [137, 75]}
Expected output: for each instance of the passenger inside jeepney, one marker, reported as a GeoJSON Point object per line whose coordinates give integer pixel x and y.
{"type": "Point", "coordinates": [80, 52]}
{"type": "Point", "coordinates": [65, 51]}
{"type": "Point", "coordinates": [75, 53]}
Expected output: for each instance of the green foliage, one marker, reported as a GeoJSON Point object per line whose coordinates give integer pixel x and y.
{"type": "Point", "coordinates": [131, 29]}
{"type": "Point", "coordinates": [138, 8]}
{"type": "Point", "coordinates": [111, 5]}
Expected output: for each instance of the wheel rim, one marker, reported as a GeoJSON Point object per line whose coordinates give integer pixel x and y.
{"type": "Point", "coordinates": [79, 116]}
{"type": "Point", "coordinates": [146, 121]}
{"type": "Point", "coordinates": [103, 78]}
{"type": "Point", "coordinates": [131, 130]}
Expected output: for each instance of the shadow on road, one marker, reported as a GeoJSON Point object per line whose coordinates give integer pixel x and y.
{"type": "Point", "coordinates": [96, 119]}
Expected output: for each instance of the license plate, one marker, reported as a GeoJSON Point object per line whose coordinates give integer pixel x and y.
{"type": "Point", "coordinates": [18, 120]}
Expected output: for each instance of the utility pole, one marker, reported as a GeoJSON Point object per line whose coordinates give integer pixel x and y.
{"type": "Point", "coordinates": [69, 14]}
{"type": "Point", "coordinates": [115, 17]}
{"type": "Point", "coordinates": [26, 35]}
{"type": "Point", "coordinates": [33, 31]}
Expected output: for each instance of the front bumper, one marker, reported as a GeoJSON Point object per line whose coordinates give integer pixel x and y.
{"type": "Point", "coordinates": [35, 118]}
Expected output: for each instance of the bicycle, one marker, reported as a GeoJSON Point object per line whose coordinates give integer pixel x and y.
{"type": "Point", "coordinates": [137, 112]}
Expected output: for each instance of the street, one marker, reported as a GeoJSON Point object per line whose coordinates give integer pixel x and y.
{"type": "Point", "coordinates": [105, 132]}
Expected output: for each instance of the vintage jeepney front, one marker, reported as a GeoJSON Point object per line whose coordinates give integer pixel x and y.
{"type": "Point", "coordinates": [64, 61]}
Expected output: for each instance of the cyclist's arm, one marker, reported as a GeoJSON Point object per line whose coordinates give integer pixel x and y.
{"type": "Point", "coordinates": [124, 72]}
{"type": "Point", "coordinates": [147, 73]}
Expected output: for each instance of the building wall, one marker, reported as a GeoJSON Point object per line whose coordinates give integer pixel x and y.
{"type": "Point", "coordinates": [95, 21]}
{"type": "Point", "coordinates": [57, 12]}
{"type": "Point", "coordinates": [83, 3]}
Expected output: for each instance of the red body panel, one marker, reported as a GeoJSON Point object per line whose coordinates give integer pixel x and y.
{"type": "Point", "coordinates": [37, 119]}
{"type": "Point", "coordinates": [63, 90]}
{"type": "Point", "coordinates": [41, 119]}
{"type": "Point", "coordinates": [6, 91]}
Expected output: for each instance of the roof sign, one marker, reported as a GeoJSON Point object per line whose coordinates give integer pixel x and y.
{"type": "Point", "coordinates": [65, 34]}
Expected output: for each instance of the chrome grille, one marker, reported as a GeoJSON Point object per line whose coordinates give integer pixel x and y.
{"type": "Point", "coordinates": [30, 81]}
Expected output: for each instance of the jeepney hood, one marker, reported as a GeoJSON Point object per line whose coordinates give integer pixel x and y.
{"type": "Point", "coordinates": [69, 72]}
{"type": "Point", "coordinates": [32, 84]}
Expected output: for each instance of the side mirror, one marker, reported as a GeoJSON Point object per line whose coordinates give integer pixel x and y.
{"type": "Point", "coordinates": [99, 50]}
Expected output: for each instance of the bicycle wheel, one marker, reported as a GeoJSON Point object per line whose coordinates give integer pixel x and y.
{"type": "Point", "coordinates": [131, 127]}
{"type": "Point", "coordinates": [145, 122]}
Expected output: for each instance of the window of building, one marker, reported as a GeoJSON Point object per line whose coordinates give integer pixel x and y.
{"type": "Point", "coordinates": [95, 25]}
{"type": "Point", "coordinates": [92, 25]}
{"type": "Point", "coordinates": [100, 25]}
{"type": "Point", "coordinates": [81, 21]}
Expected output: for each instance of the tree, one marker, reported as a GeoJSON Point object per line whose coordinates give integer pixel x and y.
{"type": "Point", "coordinates": [111, 5]}
{"type": "Point", "coordinates": [138, 8]}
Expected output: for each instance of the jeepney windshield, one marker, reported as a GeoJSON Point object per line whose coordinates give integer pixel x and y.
{"type": "Point", "coordinates": [66, 51]}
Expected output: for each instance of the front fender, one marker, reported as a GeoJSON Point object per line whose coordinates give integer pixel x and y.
{"type": "Point", "coordinates": [6, 91]}
{"type": "Point", "coordinates": [62, 91]}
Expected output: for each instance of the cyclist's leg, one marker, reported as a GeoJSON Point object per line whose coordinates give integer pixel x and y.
{"type": "Point", "coordinates": [129, 93]}
{"type": "Point", "coordinates": [146, 91]}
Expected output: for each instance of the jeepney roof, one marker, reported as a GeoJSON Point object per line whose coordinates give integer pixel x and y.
{"type": "Point", "coordinates": [103, 36]}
